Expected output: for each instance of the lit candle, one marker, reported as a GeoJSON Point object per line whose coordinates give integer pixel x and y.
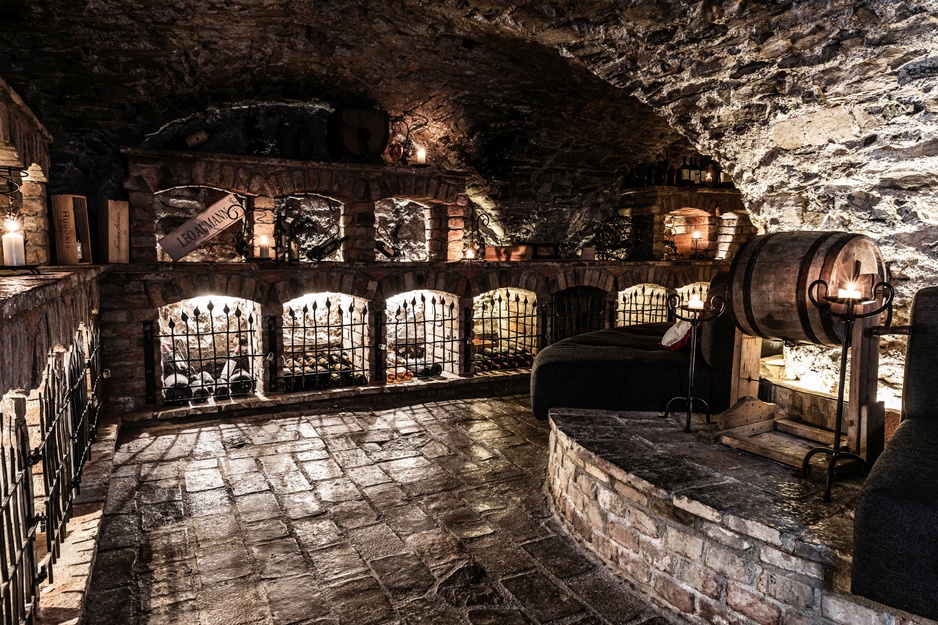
{"type": "Point", "coordinates": [421, 157]}
{"type": "Point", "coordinates": [264, 248]}
{"type": "Point", "coordinates": [695, 302]}
{"type": "Point", "coordinates": [14, 246]}
{"type": "Point", "coordinates": [470, 254]}
{"type": "Point", "coordinates": [851, 292]}
{"type": "Point", "coordinates": [696, 234]}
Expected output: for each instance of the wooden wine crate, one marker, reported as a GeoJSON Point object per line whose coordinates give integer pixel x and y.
{"type": "Point", "coordinates": [114, 231]}
{"type": "Point", "coordinates": [71, 228]}
{"type": "Point", "coordinates": [509, 252]}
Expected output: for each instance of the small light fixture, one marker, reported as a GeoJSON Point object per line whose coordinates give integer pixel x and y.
{"type": "Point", "coordinates": [695, 240]}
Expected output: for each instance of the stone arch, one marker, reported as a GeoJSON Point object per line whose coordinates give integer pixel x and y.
{"type": "Point", "coordinates": [446, 282]}
{"type": "Point", "coordinates": [509, 278]}
{"type": "Point", "coordinates": [352, 283]}
{"type": "Point", "coordinates": [597, 277]}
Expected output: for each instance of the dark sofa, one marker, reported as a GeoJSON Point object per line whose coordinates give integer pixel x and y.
{"type": "Point", "coordinates": [625, 369]}
{"type": "Point", "coordinates": [895, 558]}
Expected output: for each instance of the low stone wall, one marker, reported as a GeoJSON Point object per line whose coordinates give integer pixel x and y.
{"type": "Point", "coordinates": [714, 534]}
{"type": "Point", "coordinates": [38, 313]}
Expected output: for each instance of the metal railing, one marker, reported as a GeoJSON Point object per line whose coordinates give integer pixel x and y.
{"type": "Point", "coordinates": [69, 406]}
{"type": "Point", "coordinates": [325, 344]}
{"type": "Point", "coordinates": [208, 353]}
{"type": "Point", "coordinates": [642, 303]}
{"type": "Point", "coordinates": [422, 336]}
{"type": "Point", "coordinates": [577, 310]}
{"type": "Point", "coordinates": [505, 333]}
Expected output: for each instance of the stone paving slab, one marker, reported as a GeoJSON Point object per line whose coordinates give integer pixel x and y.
{"type": "Point", "coordinates": [428, 514]}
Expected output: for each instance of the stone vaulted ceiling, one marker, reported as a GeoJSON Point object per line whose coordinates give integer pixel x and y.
{"type": "Point", "coordinates": [823, 110]}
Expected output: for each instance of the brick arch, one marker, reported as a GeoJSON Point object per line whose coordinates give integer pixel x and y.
{"type": "Point", "coordinates": [347, 282]}
{"type": "Point", "coordinates": [446, 282]}
{"type": "Point", "coordinates": [500, 278]}
{"type": "Point", "coordinates": [187, 285]}
{"type": "Point", "coordinates": [596, 277]}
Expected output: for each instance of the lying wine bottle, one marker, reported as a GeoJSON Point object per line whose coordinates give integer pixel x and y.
{"type": "Point", "coordinates": [319, 252]}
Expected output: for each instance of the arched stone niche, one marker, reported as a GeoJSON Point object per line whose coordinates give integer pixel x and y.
{"type": "Point", "coordinates": [356, 187]}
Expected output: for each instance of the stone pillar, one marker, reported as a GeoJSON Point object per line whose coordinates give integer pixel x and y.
{"type": "Point", "coordinates": [35, 222]}
{"type": "Point", "coordinates": [358, 219]}
{"type": "Point", "coordinates": [456, 228]}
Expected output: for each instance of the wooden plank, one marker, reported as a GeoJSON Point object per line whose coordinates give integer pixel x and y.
{"type": "Point", "coordinates": [747, 351]}
{"type": "Point", "coordinates": [114, 230]}
{"type": "Point", "coordinates": [773, 445]}
{"type": "Point", "coordinates": [806, 431]}
{"type": "Point", "coordinates": [745, 411]}
{"type": "Point", "coordinates": [63, 221]}
{"type": "Point", "coordinates": [750, 429]}
{"type": "Point", "coordinates": [82, 228]}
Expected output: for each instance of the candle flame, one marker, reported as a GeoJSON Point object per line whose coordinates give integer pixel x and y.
{"type": "Point", "coordinates": [470, 254]}
{"type": "Point", "coordinates": [10, 225]}
{"type": "Point", "coordinates": [696, 234]}
{"type": "Point", "coordinates": [263, 240]}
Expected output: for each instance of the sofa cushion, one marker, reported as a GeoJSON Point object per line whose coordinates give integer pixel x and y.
{"type": "Point", "coordinates": [896, 523]}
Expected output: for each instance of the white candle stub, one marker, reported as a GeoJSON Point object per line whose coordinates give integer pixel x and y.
{"type": "Point", "coordinates": [695, 303]}
{"type": "Point", "coordinates": [14, 247]}
{"type": "Point", "coordinates": [848, 293]}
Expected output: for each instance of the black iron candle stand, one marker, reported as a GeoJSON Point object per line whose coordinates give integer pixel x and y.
{"type": "Point", "coordinates": [848, 316]}
{"type": "Point", "coordinates": [708, 312]}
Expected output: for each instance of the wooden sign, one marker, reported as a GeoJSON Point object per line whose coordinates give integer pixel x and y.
{"type": "Point", "coordinates": [114, 231]}
{"type": "Point", "coordinates": [197, 231]}
{"type": "Point", "coordinates": [72, 232]}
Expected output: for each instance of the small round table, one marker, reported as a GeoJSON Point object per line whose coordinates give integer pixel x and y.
{"type": "Point", "coordinates": [697, 312]}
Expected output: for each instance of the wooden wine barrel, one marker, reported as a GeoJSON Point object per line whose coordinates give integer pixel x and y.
{"type": "Point", "coordinates": [356, 132]}
{"type": "Point", "coordinates": [771, 274]}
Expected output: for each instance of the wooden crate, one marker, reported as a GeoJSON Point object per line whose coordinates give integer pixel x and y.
{"type": "Point", "coordinates": [114, 231]}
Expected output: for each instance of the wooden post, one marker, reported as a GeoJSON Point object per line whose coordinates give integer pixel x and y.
{"type": "Point", "coordinates": [865, 417]}
{"type": "Point", "coordinates": [747, 351]}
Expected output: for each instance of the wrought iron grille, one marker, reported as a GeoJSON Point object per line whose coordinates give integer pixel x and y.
{"type": "Point", "coordinates": [209, 350]}
{"type": "Point", "coordinates": [69, 403]}
{"type": "Point", "coordinates": [69, 407]}
{"type": "Point", "coordinates": [422, 336]}
{"type": "Point", "coordinates": [19, 571]}
{"type": "Point", "coordinates": [695, 289]}
{"type": "Point", "coordinates": [504, 330]}
{"type": "Point", "coordinates": [642, 303]}
{"type": "Point", "coordinates": [577, 310]}
{"type": "Point", "coordinates": [325, 343]}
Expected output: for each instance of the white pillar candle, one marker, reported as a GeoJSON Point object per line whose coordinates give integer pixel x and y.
{"type": "Point", "coordinates": [421, 157]}
{"type": "Point", "coordinates": [264, 248]}
{"type": "Point", "coordinates": [14, 249]}
{"type": "Point", "coordinates": [695, 302]}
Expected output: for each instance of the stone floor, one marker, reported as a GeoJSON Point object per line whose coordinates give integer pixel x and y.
{"type": "Point", "coordinates": [428, 514]}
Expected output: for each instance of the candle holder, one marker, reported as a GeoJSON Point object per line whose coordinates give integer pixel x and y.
{"type": "Point", "coordinates": [707, 311]}
{"type": "Point", "coordinates": [843, 307]}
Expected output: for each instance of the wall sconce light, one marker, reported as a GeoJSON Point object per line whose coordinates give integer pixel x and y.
{"type": "Point", "coordinates": [401, 148]}
{"type": "Point", "coordinates": [474, 246]}
{"type": "Point", "coordinates": [695, 241]}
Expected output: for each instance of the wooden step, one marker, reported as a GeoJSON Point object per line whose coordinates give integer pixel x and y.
{"type": "Point", "coordinates": [764, 439]}
{"type": "Point", "coordinates": [810, 432]}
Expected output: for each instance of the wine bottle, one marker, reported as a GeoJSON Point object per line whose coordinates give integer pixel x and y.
{"type": "Point", "coordinates": [685, 172]}
{"type": "Point", "coordinates": [319, 252]}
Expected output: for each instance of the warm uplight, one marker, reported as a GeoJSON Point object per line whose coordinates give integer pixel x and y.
{"type": "Point", "coordinates": [851, 292]}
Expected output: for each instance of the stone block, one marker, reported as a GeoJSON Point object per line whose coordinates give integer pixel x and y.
{"type": "Point", "coordinates": [726, 563]}
{"type": "Point", "coordinates": [675, 594]}
{"type": "Point", "coordinates": [788, 562]}
{"type": "Point", "coordinates": [844, 612]}
{"type": "Point", "coordinates": [786, 589]}
{"type": "Point", "coordinates": [683, 543]}
{"type": "Point", "coordinates": [697, 508]}
{"type": "Point", "coordinates": [643, 523]}
{"type": "Point", "coordinates": [752, 605]}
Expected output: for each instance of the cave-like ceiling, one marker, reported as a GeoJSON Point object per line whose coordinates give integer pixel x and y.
{"type": "Point", "coordinates": [113, 71]}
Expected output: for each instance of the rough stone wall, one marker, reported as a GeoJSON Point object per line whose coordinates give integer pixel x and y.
{"type": "Point", "coordinates": [36, 315]}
